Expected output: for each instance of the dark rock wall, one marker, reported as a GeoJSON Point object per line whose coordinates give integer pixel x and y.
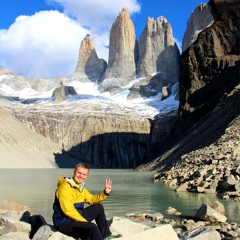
{"type": "Point", "coordinates": [210, 66]}
{"type": "Point", "coordinates": [209, 89]}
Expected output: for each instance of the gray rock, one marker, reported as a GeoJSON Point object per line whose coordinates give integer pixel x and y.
{"type": "Point", "coordinates": [127, 227]}
{"type": "Point", "coordinates": [161, 232]}
{"type": "Point", "coordinates": [200, 234]}
{"type": "Point", "coordinates": [48, 232]}
{"type": "Point", "coordinates": [16, 236]}
{"type": "Point", "coordinates": [157, 217]}
{"type": "Point", "coordinates": [21, 226]}
{"type": "Point", "coordinates": [205, 212]}
{"type": "Point", "coordinates": [6, 227]}
{"type": "Point", "coordinates": [60, 94]}
{"type": "Point", "coordinates": [171, 210]}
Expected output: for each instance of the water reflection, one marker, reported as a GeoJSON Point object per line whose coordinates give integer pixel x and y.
{"type": "Point", "coordinates": [132, 192]}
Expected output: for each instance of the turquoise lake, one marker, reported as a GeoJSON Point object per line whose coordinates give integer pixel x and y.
{"type": "Point", "coordinates": [133, 192]}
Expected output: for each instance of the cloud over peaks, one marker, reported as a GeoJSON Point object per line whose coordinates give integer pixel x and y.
{"type": "Point", "coordinates": [47, 43]}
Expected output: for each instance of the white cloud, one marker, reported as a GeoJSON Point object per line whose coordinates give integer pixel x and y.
{"type": "Point", "coordinates": [47, 43]}
{"type": "Point", "coordinates": [42, 45]}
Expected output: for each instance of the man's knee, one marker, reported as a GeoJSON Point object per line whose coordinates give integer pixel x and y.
{"type": "Point", "coordinates": [100, 206]}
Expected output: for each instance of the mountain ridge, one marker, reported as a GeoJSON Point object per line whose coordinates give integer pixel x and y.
{"type": "Point", "coordinates": [209, 73]}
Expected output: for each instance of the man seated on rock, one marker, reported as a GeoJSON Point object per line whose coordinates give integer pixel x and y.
{"type": "Point", "coordinates": [70, 217]}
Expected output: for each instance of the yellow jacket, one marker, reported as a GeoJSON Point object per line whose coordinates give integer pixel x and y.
{"type": "Point", "coordinates": [70, 199]}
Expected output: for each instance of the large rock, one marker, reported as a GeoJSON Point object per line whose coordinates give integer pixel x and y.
{"type": "Point", "coordinates": [47, 232]}
{"type": "Point", "coordinates": [89, 66]}
{"type": "Point", "coordinates": [6, 227]}
{"type": "Point", "coordinates": [121, 67]}
{"type": "Point", "coordinates": [161, 232]}
{"type": "Point", "coordinates": [207, 213]}
{"type": "Point", "coordinates": [201, 233]}
{"type": "Point", "coordinates": [127, 227]}
{"type": "Point", "coordinates": [60, 94]}
{"type": "Point", "coordinates": [15, 236]}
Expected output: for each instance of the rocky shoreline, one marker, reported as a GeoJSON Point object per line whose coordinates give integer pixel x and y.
{"type": "Point", "coordinates": [214, 169]}
{"type": "Point", "coordinates": [18, 222]}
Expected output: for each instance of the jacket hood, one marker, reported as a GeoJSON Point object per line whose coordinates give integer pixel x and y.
{"type": "Point", "coordinates": [60, 181]}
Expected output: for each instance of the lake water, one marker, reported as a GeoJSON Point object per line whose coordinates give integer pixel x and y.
{"type": "Point", "coordinates": [132, 192]}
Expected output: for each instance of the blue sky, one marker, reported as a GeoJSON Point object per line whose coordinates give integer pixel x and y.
{"type": "Point", "coordinates": [41, 38]}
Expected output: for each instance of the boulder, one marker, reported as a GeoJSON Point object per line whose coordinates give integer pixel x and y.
{"type": "Point", "coordinates": [6, 227]}
{"type": "Point", "coordinates": [171, 210]}
{"type": "Point", "coordinates": [48, 232]}
{"type": "Point", "coordinates": [161, 232]}
{"type": "Point", "coordinates": [60, 94]}
{"type": "Point", "coordinates": [16, 236]}
{"type": "Point", "coordinates": [200, 234]}
{"type": "Point", "coordinates": [205, 212]}
{"type": "Point", "coordinates": [127, 227]}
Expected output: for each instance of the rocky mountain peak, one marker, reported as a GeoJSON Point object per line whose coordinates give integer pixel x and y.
{"type": "Point", "coordinates": [89, 66]}
{"type": "Point", "coordinates": [155, 58]}
{"type": "Point", "coordinates": [122, 53]}
{"type": "Point", "coordinates": [156, 49]}
{"type": "Point", "coordinates": [159, 58]}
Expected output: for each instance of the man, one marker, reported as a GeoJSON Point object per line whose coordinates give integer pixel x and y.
{"type": "Point", "coordinates": [70, 217]}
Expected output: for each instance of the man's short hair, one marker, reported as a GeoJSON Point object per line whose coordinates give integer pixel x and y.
{"type": "Point", "coordinates": [83, 165]}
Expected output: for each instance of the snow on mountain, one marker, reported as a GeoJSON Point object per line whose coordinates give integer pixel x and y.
{"type": "Point", "coordinates": [88, 92]}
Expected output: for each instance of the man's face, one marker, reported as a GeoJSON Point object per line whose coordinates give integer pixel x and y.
{"type": "Point", "coordinates": [80, 174]}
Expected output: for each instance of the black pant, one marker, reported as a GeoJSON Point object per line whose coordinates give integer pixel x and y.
{"type": "Point", "coordinates": [88, 229]}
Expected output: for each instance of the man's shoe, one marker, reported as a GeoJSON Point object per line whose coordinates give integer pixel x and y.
{"type": "Point", "coordinates": [110, 221]}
